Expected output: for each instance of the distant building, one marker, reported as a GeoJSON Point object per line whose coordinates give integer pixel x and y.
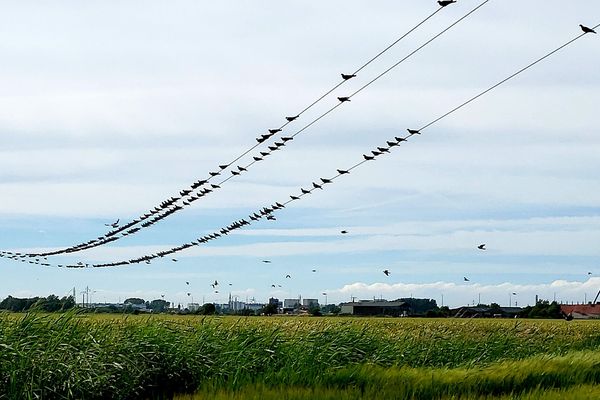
{"type": "Point", "coordinates": [581, 311]}
{"type": "Point", "coordinates": [375, 307]}
{"type": "Point", "coordinates": [291, 303]}
{"type": "Point", "coordinates": [310, 303]}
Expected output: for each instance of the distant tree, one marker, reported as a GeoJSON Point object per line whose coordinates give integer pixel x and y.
{"type": "Point", "coordinates": [331, 309]}
{"type": "Point", "coordinates": [134, 300]}
{"type": "Point", "coordinates": [208, 309]}
{"type": "Point", "coordinates": [315, 311]}
{"type": "Point", "coordinates": [158, 305]}
{"type": "Point", "coordinates": [269, 309]}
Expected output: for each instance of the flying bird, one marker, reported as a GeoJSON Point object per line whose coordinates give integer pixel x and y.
{"type": "Point", "coordinates": [481, 246]}
{"type": "Point", "coordinates": [266, 261]}
{"type": "Point", "coordinates": [272, 285]}
{"type": "Point", "coordinates": [444, 3]}
{"type": "Point", "coordinates": [414, 131]}
{"type": "Point", "coordinates": [288, 276]}
{"type": "Point", "coordinates": [465, 279]}
{"type": "Point", "coordinates": [314, 270]}
{"type": "Point", "coordinates": [114, 224]}
{"type": "Point", "coordinates": [589, 273]}
{"type": "Point", "coordinates": [585, 29]}
{"type": "Point", "coordinates": [290, 119]}
{"type": "Point", "coordinates": [271, 218]}
{"type": "Point", "coordinates": [343, 232]}
{"type": "Point", "coordinates": [174, 259]}
{"type": "Point", "coordinates": [343, 99]}
{"type": "Point", "coordinates": [348, 76]}
{"type": "Point", "coordinates": [386, 272]}
{"type": "Point", "coordinates": [189, 294]}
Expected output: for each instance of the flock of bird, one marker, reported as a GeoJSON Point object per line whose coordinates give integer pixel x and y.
{"type": "Point", "coordinates": [203, 187]}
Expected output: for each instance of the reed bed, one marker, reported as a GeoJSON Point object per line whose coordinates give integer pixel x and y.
{"type": "Point", "coordinates": [95, 357]}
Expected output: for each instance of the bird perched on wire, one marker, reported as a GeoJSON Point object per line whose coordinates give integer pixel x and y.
{"type": "Point", "coordinates": [114, 224]}
{"type": "Point", "coordinates": [348, 76]}
{"type": "Point", "coordinates": [585, 29]}
{"type": "Point", "coordinates": [481, 246]}
{"type": "Point", "coordinates": [444, 3]}
{"type": "Point", "coordinates": [343, 99]}
{"type": "Point", "coordinates": [414, 131]}
{"type": "Point", "coordinates": [386, 272]}
{"type": "Point", "coordinates": [290, 119]}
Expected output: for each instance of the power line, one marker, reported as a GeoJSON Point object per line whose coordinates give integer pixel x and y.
{"type": "Point", "coordinates": [171, 205]}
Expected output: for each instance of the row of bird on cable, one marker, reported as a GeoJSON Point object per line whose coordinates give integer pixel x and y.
{"type": "Point", "coordinates": [265, 212]}
{"type": "Point", "coordinates": [201, 187]}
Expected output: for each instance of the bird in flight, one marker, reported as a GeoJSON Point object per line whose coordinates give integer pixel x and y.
{"type": "Point", "coordinates": [348, 76]}
{"type": "Point", "coordinates": [273, 285]}
{"type": "Point", "coordinates": [288, 276]}
{"type": "Point", "coordinates": [589, 273]}
{"type": "Point", "coordinates": [343, 232]}
{"type": "Point", "coordinates": [266, 261]}
{"type": "Point", "coordinates": [314, 270]}
{"type": "Point", "coordinates": [386, 272]}
{"type": "Point", "coordinates": [271, 217]}
{"type": "Point", "coordinates": [187, 283]}
{"type": "Point", "coordinates": [465, 279]}
{"type": "Point", "coordinates": [114, 224]}
{"type": "Point", "coordinates": [174, 259]}
{"type": "Point", "coordinates": [481, 246]}
{"type": "Point", "coordinates": [585, 29]}
{"type": "Point", "coordinates": [444, 3]}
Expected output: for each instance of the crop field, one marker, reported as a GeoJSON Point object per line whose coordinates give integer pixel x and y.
{"type": "Point", "coordinates": [107, 356]}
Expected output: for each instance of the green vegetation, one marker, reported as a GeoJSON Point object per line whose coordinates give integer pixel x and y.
{"type": "Point", "coordinates": [47, 304]}
{"type": "Point", "coordinates": [109, 356]}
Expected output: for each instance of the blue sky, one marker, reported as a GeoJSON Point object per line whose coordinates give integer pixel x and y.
{"type": "Point", "coordinates": [109, 108]}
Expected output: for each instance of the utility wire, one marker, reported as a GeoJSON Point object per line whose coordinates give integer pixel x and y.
{"type": "Point", "coordinates": [171, 206]}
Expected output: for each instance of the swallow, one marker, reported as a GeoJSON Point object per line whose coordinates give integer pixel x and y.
{"type": "Point", "coordinates": [368, 158]}
{"type": "Point", "coordinates": [294, 197]}
{"type": "Point", "coordinates": [465, 279]}
{"type": "Point", "coordinates": [266, 261]}
{"type": "Point", "coordinates": [343, 232]}
{"type": "Point", "coordinates": [444, 3]}
{"type": "Point", "coordinates": [342, 171]}
{"type": "Point", "coordinates": [290, 119]}
{"type": "Point", "coordinates": [481, 246]}
{"type": "Point", "coordinates": [325, 180]}
{"type": "Point", "coordinates": [343, 99]}
{"type": "Point", "coordinates": [274, 131]}
{"type": "Point", "coordinates": [241, 169]}
{"type": "Point", "coordinates": [585, 29]}
{"type": "Point", "coordinates": [223, 166]}
{"type": "Point", "coordinates": [348, 76]}
{"type": "Point", "coordinates": [414, 131]}
{"type": "Point", "coordinates": [317, 186]}
{"type": "Point", "coordinates": [386, 272]}
{"type": "Point", "coordinates": [287, 138]}
{"type": "Point", "coordinates": [304, 191]}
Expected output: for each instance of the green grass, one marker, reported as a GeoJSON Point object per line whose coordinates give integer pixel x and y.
{"type": "Point", "coordinates": [94, 357]}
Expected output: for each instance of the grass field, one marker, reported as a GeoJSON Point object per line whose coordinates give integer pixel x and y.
{"type": "Point", "coordinates": [107, 356]}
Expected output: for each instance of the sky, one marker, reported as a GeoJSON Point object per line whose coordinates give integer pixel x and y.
{"type": "Point", "coordinates": [108, 108]}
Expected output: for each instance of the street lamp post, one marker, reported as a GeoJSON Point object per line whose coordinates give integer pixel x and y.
{"type": "Point", "coordinates": [325, 294]}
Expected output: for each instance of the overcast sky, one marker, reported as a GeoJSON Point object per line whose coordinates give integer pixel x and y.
{"type": "Point", "coordinates": [108, 108]}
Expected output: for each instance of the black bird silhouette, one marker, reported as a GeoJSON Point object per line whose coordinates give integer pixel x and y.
{"type": "Point", "coordinates": [376, 153]}
{"type": "Point", "coordinates": [366, 157]}
{"type": "Point", "coordinates": [114, 224]}
{"type": "Point", "coordinates": [271, 218]}
{"type": "Point", "coordinates": [241, 169]}
{"type": "Point", "coordinates": [400, 139]}
{"type": "Point", "coordinates": [589, 273]}
{"type": "Point", "coordinates": [187, 283]}
{"type": "Point", "coordinates": [214, 173]}
{"type": "Point", "coordinates": [343, 232]}
{"type": "Point", "coordinates": [260, 139]}
{"type": "Point", "coordinates": [444, 3]}
{"type": "Point", "coordinates": [481, 246]}
{"type": "Point", "coordinates": [342, 171]}
{"type": "Point", "coordinates": [290, 119]}
{"type": "Point", "coordinates": [314, 270]}
{"type": "Point", "coordinates": [414, 131]}
{"type": "Point", "coordinates": [272, 285]}
{"type": "Point", "coordinates": [215, 186]}
{"type": "Point", "coordinates": [317, 186]}
{"type": "Point", "coordinates": [235, 173]}
{"type": "Point", "coordinates": [266, 261]}
{"type": "Point", "coordinates": [287, 138]}
{"type": "Point", "coordinates": [274, 131]}
{"type": "Point", "coordinates": [465, 279]}
{"type": "Point", "coordinates": [325, 180]}
{"type": "Point", "coordinates": [189, 294]}
{"type": "Point", "coordinates": [264, 153]}
{"type": "Point", "coordinates": [223, 166]}
{"type": "Point", "coordinates": [386, 272]}
{"type": "Point", "coordinates": [344, 98]}
{"type": "Point", "coordinates": [392, 144]}
{"type": "Point", "coordinates": [383, 149]}
{"type": "Point", "coordinates": [257, 158]}
{"type": "Point", "coordinates": [304, 191]}
{"type": "Point", "coordinates": [585, 29]}
{"type": "Point", "coordinates": [288, 276]}
{"type": "Point", "coordinates": [348, 76]}
{"type": "Point", "coordinates": [273, 148]}
{"type": "Point", "coordinates": [294, 197]}
{"type": "Point", "coordinates": [174, 259]}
